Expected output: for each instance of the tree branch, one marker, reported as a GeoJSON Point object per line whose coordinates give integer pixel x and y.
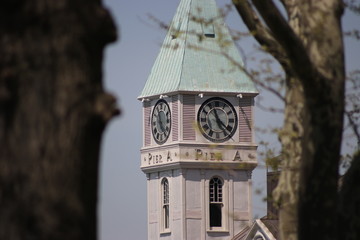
{"type": "Point", "coordinates": [260, 32]}
{"type": "Point", "coordinates": [284, 34]}
{"type": "Point", "coordinates": [353, 125]}
{"type": "Point", "coordinates": [287, 4]}
{"type": "Point", "coordinates": [349, 201]}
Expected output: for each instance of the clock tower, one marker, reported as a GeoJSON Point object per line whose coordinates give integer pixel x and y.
{"type": "Point", "coordinates": [198, 149]}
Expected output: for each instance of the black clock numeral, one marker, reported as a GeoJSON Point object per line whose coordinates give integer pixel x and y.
{"type": "Point", "coordinates": [211, 132]}
{"type": "Point", "coordinates": [217, 104]}
{"type": "Point", "coordinates": [229, 128]}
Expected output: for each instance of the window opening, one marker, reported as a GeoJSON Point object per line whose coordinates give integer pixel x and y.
{"type": "Point", "coordinates": [216, 202]}
{"type": "Point", "coordinates": [165, 200]}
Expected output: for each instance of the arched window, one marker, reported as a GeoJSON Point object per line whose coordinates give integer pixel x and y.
{"type": "Point", "coordinates": [258, 236]}
{"type": "Point", "coordinates": [165, 204]}
{"type": "Point", "coordinates": [215, 201]}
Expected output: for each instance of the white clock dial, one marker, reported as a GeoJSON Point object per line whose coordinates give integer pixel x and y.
{"type": "Point", "coordinates": [217, 119]}
{"type": "Point", "coordinates": [161, 122]}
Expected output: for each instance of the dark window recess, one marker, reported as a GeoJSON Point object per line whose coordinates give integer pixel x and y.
{"type": "Point", "coordinates": [210, 35]}
{"type": "Point", "coordinates": [216, 203]}
{"type": "Point", "coordinates": [215, 214]}
{"type": "Point", "coordinates": [166, 215]}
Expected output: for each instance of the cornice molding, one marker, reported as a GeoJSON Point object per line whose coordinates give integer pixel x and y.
{"type": "Point", "coordinates": [228, 166]}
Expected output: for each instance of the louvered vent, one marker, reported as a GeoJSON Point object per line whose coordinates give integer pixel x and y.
{"type": "Point", "coordinates": [245, 120]}
{"type": "Point", "coordinates": [147, 129]}
{"type": "Point", "coordinates": [175, 118]}
{"type": "Point", "coordinates": [189, 117]}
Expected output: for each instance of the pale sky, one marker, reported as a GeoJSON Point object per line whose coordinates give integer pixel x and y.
{"type": "Point", "coordinates": [122, 198]}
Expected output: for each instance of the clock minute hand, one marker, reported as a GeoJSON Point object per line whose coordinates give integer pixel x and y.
{"type": "Point", "coordinates": [223, 126]}
{"type": "Point", "coordinates": [218, 120]}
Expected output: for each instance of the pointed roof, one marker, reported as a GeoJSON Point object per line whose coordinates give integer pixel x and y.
{"type": "Point", "coordinates": [266, 228]}
{"type": "Point", "coordinates": [193, 55]}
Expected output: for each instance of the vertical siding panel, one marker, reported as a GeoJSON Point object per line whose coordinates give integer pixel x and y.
{"type": "Point", "coordinates": [245, 119]}
{"type": "Point", "coordinates": [189, 118]}
{"type": "Point", "coordinates": [175, 118]}
{"type": "Point", "coordinates": [146, 128]}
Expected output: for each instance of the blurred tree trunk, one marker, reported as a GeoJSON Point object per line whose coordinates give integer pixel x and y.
{"type": "Point", "coordinates": [308, 44]}
{"type": "Point", "coordinates": [52, 114]}
{"type": "Point", "coordinates": [286, 193]}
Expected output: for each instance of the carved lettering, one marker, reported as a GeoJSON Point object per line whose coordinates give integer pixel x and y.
{"type": "Point", "coordinates": [237, 156]}
{"type": "Point", "coordinates": [154, 159]}
{"type": "Point", "coordinates": [158, 159]}
{"type": "Point", "coordinates": [149, 158]}
{"type": "Point", "coordinates": [169, 159]}
{"type": "Point", "coordinates": [203, 155]}
{"type": "Point", "coordinates": [218, 156]}
{"type": "Point", "coordinates": [198, 154]}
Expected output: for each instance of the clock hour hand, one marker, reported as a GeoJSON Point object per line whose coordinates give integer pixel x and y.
{"type": "Point", "coordinates": [220, 124]}
{"type": "Point", "coordinates": [161, 124]}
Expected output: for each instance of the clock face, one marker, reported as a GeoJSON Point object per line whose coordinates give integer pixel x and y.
{"type": "Point", "coordinates": [217, 119]}
{"type": "Point", "coordinates": [161, 122]}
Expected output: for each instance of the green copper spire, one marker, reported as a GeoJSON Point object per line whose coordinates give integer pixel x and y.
{"type": "Point", "coordinates": [193, 55]}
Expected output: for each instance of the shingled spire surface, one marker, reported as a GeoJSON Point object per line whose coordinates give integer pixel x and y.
{"type": "Point", "coordinates": [198, 55]}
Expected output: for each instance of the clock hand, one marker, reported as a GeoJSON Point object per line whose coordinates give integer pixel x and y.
{"type": "Point", "coordinates": [209, 121]}
{"type": "Point", "coordinates": [161, 124]}
{"type": "Point", "coordinates": [222, 125]}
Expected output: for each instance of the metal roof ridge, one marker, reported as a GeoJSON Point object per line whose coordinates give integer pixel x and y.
{"type": "Point", "coordinates": [185, 44]}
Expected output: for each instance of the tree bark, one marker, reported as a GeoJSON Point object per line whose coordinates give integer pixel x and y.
{"type": "Point", "coordinates": [311, 39]}
{"type": "Point", "coordinates": [323, 125]}
{"type": "Point", "coordinates": [52, 113]}
{"type": "Point", "coordinates": [286, 193]}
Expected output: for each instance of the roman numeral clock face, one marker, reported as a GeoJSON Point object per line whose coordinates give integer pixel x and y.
{"type": "Point", "coordinates": [161, 122]}
{"type": "Point", "coordinates": [217, 119]}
